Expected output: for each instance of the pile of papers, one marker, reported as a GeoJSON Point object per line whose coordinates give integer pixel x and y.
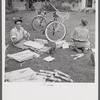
{"type": "Point", "coordinates": [41, 41]}
{"type": "Point", "coordinates": [62, 44]}
{"type": "Point", "coordinates": [55, 76]}
{"type": "Point", "coordinates": [23, 56]}
{"type": "Point", "coordinates": [38, 45]}
{"type": "Point", "coordinates": [27, 75]}
{"type": "Point", "coordinates": [34, 45]}
{"type": "Point", "coordinates": [22, 75]}
{"type": "Point", "coordinates": [19, 74]}
{"type": "Point", "coordinates": [44, 49]}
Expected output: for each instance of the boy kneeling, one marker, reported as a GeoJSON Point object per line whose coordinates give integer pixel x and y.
{"type": "Point", "coordinates": [80, 38]}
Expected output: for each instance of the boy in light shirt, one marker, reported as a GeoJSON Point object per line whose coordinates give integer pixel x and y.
{"type": "Point", "coordinates": [80, 37]}
{"type": "Point", "coordinates": [18, 34]}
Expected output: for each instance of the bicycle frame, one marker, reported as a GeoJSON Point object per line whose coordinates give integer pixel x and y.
{"type": "Point", "coordinates": [57, 14]}
{"type": "Point", "coordinates": [55, 24]}
{"type": "Point", "coordinates": [43, 13]}
{"type": "Point", "coordinates": [63, 17]}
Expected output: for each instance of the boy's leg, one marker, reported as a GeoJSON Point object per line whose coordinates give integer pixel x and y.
{"type": "Point", "coordinates": [82, 49]}
{"type": "Point", "coordinates": [73, 47]}
{"type": "Point", "coordinates": [78, 50]}
{"type": "Point", "coordinates": [21, 45]}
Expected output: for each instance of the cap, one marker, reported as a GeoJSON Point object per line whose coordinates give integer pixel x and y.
{"type": "Point", "coordinates": [17, 20]}
{"type": "Point", "coordinates": [84, 22]}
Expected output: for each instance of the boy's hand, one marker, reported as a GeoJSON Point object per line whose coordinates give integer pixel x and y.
{"type": "Point", "coordinates": [15, 40]}
{"type": "Point", "coordinates": [27, 36]}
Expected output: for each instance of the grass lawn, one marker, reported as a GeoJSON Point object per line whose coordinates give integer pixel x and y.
{"type": "Point", "coordinates": [80, 70]}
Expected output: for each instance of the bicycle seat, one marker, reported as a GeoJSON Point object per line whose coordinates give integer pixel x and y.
{"type": "Point", "coordinates": [44, 12]}
{"type": "Point", "coordinates": [55, 14]}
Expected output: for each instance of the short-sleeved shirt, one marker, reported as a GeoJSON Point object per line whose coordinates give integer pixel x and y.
{"type": "Point", "coordinates": [80, 33]}
{"type": "Point", "coordinates": [18, 34]}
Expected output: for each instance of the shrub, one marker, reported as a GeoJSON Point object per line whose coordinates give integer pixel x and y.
{"type": "Point", "coordinates": [49, 8]}
{"type": "Point", "coordinates": [11, 11]}
{"type": "Point", "coordinates": [63, 6]}
{"type": "Point", "coordinates": [66, 6]}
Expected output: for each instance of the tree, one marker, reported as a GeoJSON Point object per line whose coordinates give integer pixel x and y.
{"type": "Point", "coordinates": [70, 1]}
{"type": "Point", "coordinates": [27, 4]}
{"type": "Point", "coordinates": [9, 4]}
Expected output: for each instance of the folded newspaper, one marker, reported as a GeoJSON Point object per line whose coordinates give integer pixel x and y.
{"type": "Point", "coordinates": [22, 75]}
{"type": "Point", "coordinates": [23, 55]}
{"type": "Point", "coordinates": [41, 41]}
{"type": "Point", "coordinates": [62, 44]}
{"type": "Point", "coordinates": [34, 45]}
{"type": "Point", "coordinates": [49, 58]}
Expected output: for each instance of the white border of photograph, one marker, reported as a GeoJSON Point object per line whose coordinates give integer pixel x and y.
{"type": "Point", "coordinates": [49, 91]}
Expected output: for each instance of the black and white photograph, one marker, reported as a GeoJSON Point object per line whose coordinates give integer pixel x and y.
{"type": "Point", "coordinates": [50, 42]}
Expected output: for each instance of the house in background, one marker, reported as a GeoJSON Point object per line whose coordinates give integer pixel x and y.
{"type": "Point", "coordinates": [89, 4]}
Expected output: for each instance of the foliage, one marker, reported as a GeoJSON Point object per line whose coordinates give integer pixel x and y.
{"type": "Point", "coordinates": [11, 11]}
{"type": "Point", "coordinates": [9, 7]}
{"type": "Point", "coordinates": [67, 6]}
{"type": "Point", "coordinates": [60, 6]}
{"type": "Point", "coordinates": [70, 1]}
{"type": "Point", "coordinates": [49, 7]}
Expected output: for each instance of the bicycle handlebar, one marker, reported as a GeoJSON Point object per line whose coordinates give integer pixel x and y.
{"type": "Point", "coordinates": [59, 13]}
{"type": "Point", "coordinates": [54, 7]}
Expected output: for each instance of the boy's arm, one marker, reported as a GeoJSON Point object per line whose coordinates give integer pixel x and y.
{"type": "Point", "coordinates": [72, 34]}
{"type": "Point", "coordinates": [88, 36]}
{"type": "Point", "coordinates": [13, 37]}
{"type": "Point", "coordinates": [26, 34]}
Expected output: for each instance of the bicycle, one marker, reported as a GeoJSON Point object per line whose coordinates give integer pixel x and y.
{"type": "Point", "coordinates": [54, 30]}
{"type": "Point", "coordinates": [39, 22]}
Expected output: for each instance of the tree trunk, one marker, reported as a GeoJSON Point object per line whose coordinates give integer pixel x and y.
{"type": "Point", "coordinates": [27, 4]}
{"type": "Point", "coordinates": [9, 5]}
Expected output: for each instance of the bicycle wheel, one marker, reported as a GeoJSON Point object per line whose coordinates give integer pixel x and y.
{"type": "Point", "coordinates": [55, 31]}
{"type": "Point", "coordinates": [39, 23]}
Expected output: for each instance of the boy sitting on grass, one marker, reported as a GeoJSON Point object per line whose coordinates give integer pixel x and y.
{"type": "Point", "coordinates": [19, 35]}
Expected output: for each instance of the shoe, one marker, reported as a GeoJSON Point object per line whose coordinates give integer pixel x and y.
{"type": "Point", "coordinates": [78, 50]}
{"type": "Point", "coordinates": [92, 59]}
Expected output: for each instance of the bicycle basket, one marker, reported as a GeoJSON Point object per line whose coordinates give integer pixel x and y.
{"type": "Point", "coordinates": [67, 16]}
{"type": "Point", "coordinates": [63, 15]}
